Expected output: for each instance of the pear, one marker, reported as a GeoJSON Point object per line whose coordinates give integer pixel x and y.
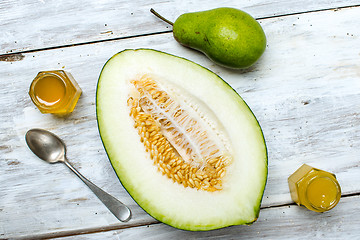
{"type": "Point", "coordinates": [228, 36]}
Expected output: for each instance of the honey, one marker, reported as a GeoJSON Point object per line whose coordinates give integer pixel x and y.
{"type": "Point", "coordinates": [49, 90]}
{"type": "Point", "coordinates": [55, 92]}
{"type": "Point", "coordinates": [315, 189]}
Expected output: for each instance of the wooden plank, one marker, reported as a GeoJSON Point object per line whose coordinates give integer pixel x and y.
{"type": "Point", "coordinates": [304, 91]}
{"type": "Point", "coordinates": [32, 24]}
{"type": "Point", "coordinates": [288, 222]}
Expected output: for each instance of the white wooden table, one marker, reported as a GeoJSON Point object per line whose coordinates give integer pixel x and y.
{"type": "Point", "coordinates": [305, 92]}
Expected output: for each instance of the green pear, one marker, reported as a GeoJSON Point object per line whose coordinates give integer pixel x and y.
{"type": "Point", "coordinates": [228, 36]}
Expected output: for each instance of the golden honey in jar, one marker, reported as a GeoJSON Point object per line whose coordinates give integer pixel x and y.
{"type": "Point", "coordinates": [55, 92]}
{"type": "Point", "coordinates": [315, 189]}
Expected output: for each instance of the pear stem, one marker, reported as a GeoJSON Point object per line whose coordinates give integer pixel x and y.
{"type": "Point", "coordinates": [161, 17]}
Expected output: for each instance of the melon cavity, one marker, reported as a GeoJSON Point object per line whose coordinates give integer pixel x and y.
{"type": "Point", "coordinates": [183, 143]}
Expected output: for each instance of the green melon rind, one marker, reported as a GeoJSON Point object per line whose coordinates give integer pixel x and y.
{"type": "Point", "coordinates": [148, 206]}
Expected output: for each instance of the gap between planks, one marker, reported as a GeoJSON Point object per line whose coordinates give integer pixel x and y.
{"type": "Point", "coordinates": [19, 53]}
{"type": "Point", "coordinates": [127, 226]}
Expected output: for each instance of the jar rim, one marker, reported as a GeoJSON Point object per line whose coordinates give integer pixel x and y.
{"type": "Point", "coordinates": [336, 185]}
{"type": "Point", "coordinates": [41, 75]}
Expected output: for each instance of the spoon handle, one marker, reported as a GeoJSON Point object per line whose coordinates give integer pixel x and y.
{"type": "Point", "coordinates": [120, 210]}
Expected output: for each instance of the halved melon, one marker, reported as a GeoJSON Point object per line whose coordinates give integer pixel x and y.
{"type": "Point", "coordinates": [183, 143]}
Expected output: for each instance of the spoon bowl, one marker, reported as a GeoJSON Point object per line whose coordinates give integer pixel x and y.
{"type": "Point", "coordinates": [52, 149]}
{"type": "Point", "coordinates": [46, 145]}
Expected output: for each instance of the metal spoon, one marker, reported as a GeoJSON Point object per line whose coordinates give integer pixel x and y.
{"type": "Point", "coordinates": [51, 148]}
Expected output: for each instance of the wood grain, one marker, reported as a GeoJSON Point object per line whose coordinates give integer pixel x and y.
{"type": "Point", "coordinates": [36, 24]}
{"type": "Point", "coordinates": [304, 92]}
{"type": "Point", "coordinates": [288, 222]}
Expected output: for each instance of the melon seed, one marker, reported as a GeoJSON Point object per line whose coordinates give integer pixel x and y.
{"type": "Point", "coordinates": [154, 113]}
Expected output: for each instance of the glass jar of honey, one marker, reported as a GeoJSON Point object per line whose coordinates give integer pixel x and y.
{"type": "Point", "coordinates": [55, 92]}
{"type": "Point", "coordinates": [315, 189]}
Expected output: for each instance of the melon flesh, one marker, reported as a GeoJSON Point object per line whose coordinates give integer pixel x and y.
{"type": "Point", "coordinates": [238, 201]}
